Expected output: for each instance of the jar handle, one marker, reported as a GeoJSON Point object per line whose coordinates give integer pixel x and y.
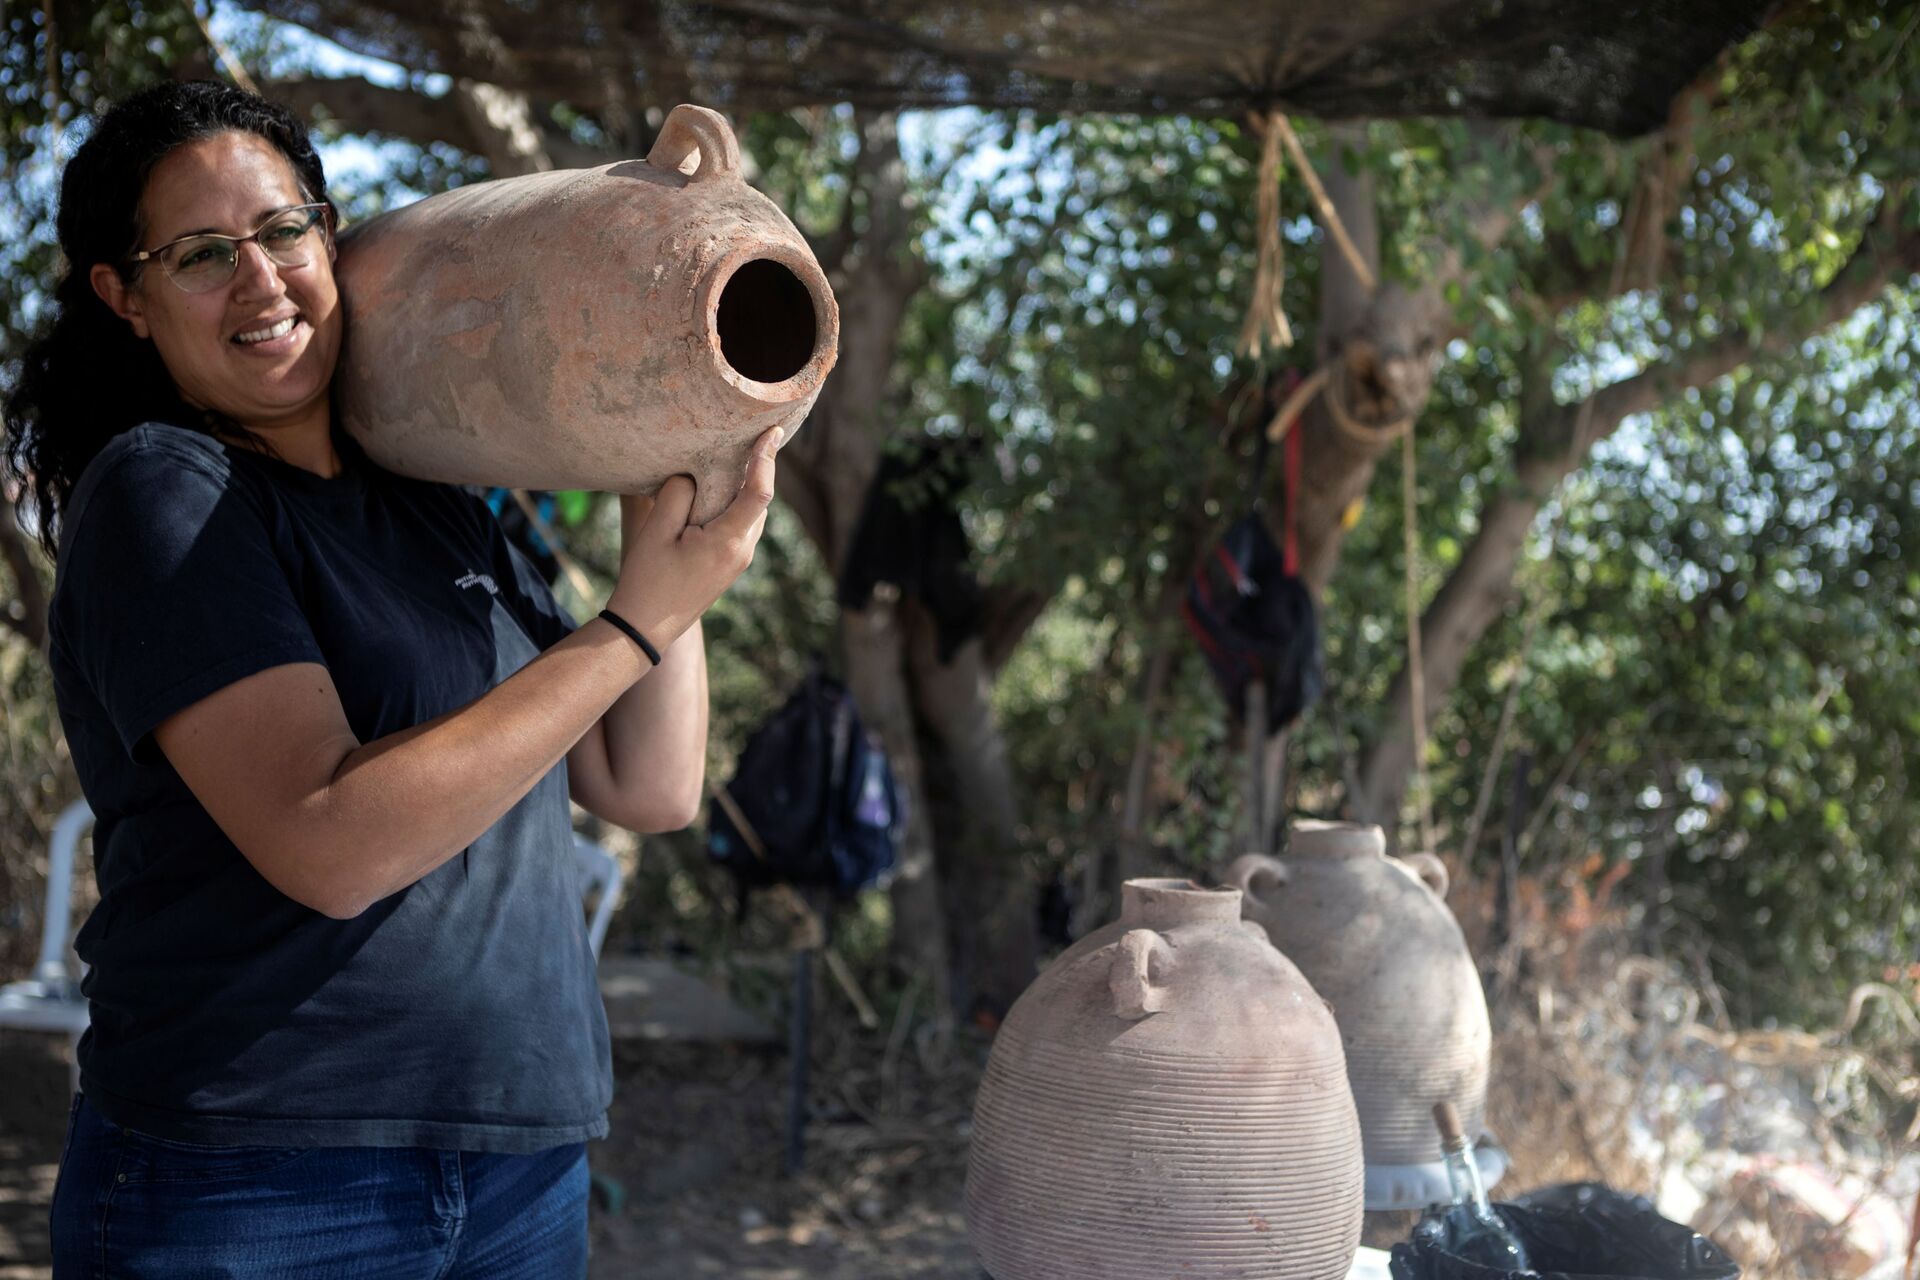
{"type": "Point", "coordinates": [1430, 871]}
{"type": "Point", "coordinates": [1137, 975]}
{"type": "Point", "coordinates": [1254, 874]}
{"type": "Point", "coordinates": [691, 129]}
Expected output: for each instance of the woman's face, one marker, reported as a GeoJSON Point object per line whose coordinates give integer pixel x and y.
{"type": "Point", "coordinates": [230, 183]}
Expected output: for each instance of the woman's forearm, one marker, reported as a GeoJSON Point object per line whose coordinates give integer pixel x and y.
{"type": "Point", "coordinates": [653, 740]}
{"type": "Point", "coordinates": [397, 808]}
{"type": "Point", "coordinates": [338, 825]}
{"type": "Point", "coordinates": [655, 737]}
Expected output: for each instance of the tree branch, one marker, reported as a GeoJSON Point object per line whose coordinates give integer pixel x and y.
{"type": "Point", "coordinates": [1489, 220]}
{"type": "Point", "coordinates": [502, 120]}
{"type": "Point", "coordinates": [831, 249]}
{"type": "Point", "coordinates": [1552, 446]}
{"type": "Point", "coordinates": [874, 295]}
{"type": "Point", "coordinates": [1884, 251]}
{"type": "Point", "coordinates": [1663, 175]}
{"type": "Point", "coordinates": [360, 106]}
{"type": "Point", "coordinates": [364, 107]}
{"type": "Point", "coordinates": [1363, 271]}
{"type": "Point", "coordinates": [1007, 614]}
{"type": "Point", "coordinates": [881, 172]}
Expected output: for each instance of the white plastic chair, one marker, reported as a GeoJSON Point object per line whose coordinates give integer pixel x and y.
{"type": "Point", "coordinates": [50, 1000]}
{"type": "Point", "coordinates": [599, 870]}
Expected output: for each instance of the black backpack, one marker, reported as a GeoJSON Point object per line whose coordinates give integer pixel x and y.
{"type": "Point", "coordinates": [1252, 615]}
{"type": "Point", "coordinates": [812, 802]}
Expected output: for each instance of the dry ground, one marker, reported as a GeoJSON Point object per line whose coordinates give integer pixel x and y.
{"type": "Point", "coordinates": [693, 1185]}
{"type": "Point", "coordinates": [696, 1151]}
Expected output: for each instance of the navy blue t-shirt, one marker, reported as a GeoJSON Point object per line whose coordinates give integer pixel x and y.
{"type": "Point", "coordinates": [460, 1013]}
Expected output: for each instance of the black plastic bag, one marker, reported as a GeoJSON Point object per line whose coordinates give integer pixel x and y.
{"type": "Point", "coordinates": [1576, 1231]}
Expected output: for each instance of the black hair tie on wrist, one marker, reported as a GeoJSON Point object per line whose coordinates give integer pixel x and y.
{"type": "Point", "coordinates": [633, 634]}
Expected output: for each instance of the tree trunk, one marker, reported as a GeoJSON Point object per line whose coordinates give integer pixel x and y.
{"type": "Point", "coordinates": [962, 911]}
{"type": "Point", "coordinates": [875, 651]}
{"type": "Point", "coordinates": [1133, 854]}
{"type": "Point", "coordinates": [1467, 604]}
{"type": "Point", "coordinates": [824, 474]}
{"type": "Point", "coordinates": [990, 897]}
{"type": "Point", "coordinates": [1379, 348]}
{"type": "Point", "coordinates": [474, 118]}
{"type": "Point", "coordinates": [26, 613]}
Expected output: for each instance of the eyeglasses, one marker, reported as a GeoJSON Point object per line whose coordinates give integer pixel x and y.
{"type": "Point", "coordinates": [202, 262]}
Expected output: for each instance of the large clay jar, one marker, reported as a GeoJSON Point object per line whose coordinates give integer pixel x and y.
{"type": "Point", "coordinates": [588, 328]}
{"type": "Point", "coordinates": [1373, 935]}
{"type": "Point", "coordinates": [1167, 1099]}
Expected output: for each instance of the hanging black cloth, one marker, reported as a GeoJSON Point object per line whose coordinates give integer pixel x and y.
{"type": "Point", "coordinates": [1251, 614]}
{"type": "Point", "coordinates": [910, 535]}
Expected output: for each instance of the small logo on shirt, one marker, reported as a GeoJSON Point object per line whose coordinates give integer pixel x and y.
{"type": "Point", "coordinates": [473, 579]}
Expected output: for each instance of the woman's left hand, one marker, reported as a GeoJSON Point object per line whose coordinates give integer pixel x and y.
{"type": "Point", "coordinates": [684, 567]}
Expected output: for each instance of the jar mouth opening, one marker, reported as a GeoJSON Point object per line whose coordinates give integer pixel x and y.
{"type": "Point", "coordinates": [773, 324]}
{"type": "Point", "coordinates": [1175, 884]}
{"type": "Point", "coordinates": [1322, 838]}
{"type": "Point", "coordinates": [1162, 903]}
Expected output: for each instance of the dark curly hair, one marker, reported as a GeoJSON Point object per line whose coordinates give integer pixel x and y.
{"type": "Point", "coordinates": [64, 408]}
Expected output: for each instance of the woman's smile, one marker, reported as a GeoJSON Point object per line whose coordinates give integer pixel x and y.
{"type": "Point", "coordinates": [259, 347]}
{"type": "Point", "coordinates": [274, 338]}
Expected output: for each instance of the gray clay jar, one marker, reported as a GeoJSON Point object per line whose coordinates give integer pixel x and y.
{"type": "Point", "coordinates": [1169, 1098]}
{"type": "Point", "coordinates": [1374, 936]}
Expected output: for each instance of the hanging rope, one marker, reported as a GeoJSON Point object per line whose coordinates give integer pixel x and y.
{"type": "Point", "coordinates": [1266, 324]}
{"type": "Point", "coordinates": [1296, 404]}
{"type": "Point", "coordinates": [1508, 706]}
{"type": "Point", "coordinates": [1328, 215]}
{"type": "Point", "coordinates": [1416, 674]}
{"type": "Point", "coordinates": [1358, 431]}
{"type": "Point", "coordinates": [1321, 383]}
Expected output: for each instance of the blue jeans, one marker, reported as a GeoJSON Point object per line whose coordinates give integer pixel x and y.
{"type": "Point", "coordinates": [131, 1205]}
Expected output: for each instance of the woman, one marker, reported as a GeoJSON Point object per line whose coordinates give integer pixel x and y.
{"type": "Point", "coordinates": [344, 1016]}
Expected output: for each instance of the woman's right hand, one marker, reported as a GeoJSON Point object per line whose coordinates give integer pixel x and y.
{"type": "Point", "coordinates": [671, 572]}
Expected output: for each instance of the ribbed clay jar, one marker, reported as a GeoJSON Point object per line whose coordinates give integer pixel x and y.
{"type": "Point", "coordinates": [1167, 1099]}
{"type": "Point", "coordinates": [587, 328]}
{"type": "Point", "coordinates": [1374, 936]}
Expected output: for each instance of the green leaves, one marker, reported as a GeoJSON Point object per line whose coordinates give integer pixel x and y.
{"type": "Point", "coordinates": [1723, 678]}
{"type": "Point", "coordinates": [1758, 619]}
